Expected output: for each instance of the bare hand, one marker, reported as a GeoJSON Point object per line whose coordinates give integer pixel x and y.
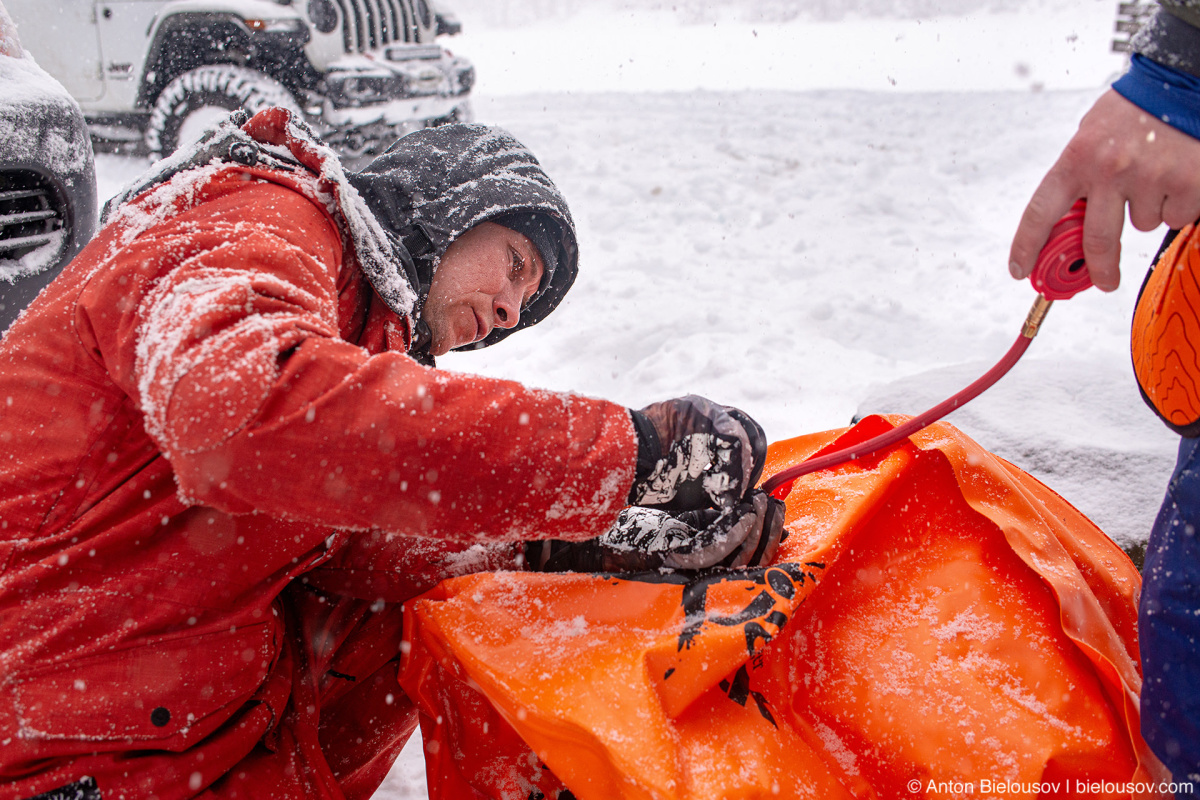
{"type": "Point", "coordinates": [1120, 155]}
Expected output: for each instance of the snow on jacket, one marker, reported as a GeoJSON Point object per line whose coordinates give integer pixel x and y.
{"type": "Point", "coordinates": [220, 475]}
{"type": "Point", "coordinates": [1172, 36]}
{"type": "Point", "coordinates": [1164, 72]}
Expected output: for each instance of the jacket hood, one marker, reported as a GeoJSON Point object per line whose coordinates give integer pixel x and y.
{"type": "Point", "coordinates": [433, 185]}
{"type": "Point", "coordinates": [276, 139]}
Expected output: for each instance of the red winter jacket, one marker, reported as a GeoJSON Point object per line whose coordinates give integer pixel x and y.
{"type": "Point", "coordinates": [220, 476]}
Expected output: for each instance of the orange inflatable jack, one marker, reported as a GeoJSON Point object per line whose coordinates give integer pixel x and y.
{"type": "Point", "coordinates": [938, 624]}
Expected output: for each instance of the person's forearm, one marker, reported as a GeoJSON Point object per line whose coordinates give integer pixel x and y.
{"type": "Point", "coordinates": [386, 444]}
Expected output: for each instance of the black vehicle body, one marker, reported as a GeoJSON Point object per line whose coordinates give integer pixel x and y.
{"type": "Point", "coordinates": [47, 178]}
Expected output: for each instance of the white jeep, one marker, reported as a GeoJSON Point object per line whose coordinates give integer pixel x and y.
{"type": "Point", "coordinates": [158, 72]}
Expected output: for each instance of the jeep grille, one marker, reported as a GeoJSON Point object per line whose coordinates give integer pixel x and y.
{"type": "Point", "coordinates": [30, 213]}
{"type": "Point", "coordinates": [371, 24]}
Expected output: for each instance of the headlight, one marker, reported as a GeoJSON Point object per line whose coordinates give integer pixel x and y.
{"type": "Point", "coordinates": [323, 15]}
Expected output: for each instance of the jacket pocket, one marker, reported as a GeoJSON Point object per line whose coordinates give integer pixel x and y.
{"type": "Point", "coordinates": [175, 687]}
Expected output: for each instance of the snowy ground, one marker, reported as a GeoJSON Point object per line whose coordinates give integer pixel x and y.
{"type": "Point", "coordinates": [807, 254]}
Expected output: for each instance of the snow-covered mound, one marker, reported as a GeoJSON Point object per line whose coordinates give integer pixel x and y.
{"type": "Point", "coordinates": [1074, 424]}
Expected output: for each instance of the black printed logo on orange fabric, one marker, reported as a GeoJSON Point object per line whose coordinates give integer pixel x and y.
{"type": "Point", "coordinates": [761, 618]}
{"type": "Point", "coordinates": [738, 690]}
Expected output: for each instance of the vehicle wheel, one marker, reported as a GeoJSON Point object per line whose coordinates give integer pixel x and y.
{"type": "Point", "coordinates": [199, 99]}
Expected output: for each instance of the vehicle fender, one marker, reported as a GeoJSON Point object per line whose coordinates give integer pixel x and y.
{"type": "Point", "coordinates": [221, 18]}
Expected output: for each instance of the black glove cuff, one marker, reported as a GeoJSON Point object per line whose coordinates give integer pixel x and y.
{"type": "Point", "coordinates": [758, 444]}
{"type": "Point", "coordinates": [553, 555]}
{"type": "Point", "coordinates": [536, 555]}
{"type": "Point", "coordinates": [650, 450]}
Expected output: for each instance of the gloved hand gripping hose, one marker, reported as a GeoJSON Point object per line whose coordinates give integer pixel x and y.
{"type": "Point", "coordinates": [1060, 274]}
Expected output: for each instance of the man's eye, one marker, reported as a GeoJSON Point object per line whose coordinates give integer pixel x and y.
{"type": "Point", "coordinates": [516, 272]}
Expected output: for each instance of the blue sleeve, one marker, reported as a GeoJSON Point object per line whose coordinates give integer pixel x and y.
{"type": "Point", "coordinates": [1170, 95]}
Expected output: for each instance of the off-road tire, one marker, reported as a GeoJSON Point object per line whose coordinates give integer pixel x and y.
{"type": "Point", "coordinates": [214, 86]}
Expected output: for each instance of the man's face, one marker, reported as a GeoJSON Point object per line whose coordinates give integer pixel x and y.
{"type": "Point", "coordinates": [483, 281]}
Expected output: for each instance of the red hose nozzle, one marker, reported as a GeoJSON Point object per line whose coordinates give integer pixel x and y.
{"type": "Point", "coordinates": [1061, 272]}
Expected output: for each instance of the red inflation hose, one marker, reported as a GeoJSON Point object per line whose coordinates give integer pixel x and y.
{"type": "Point", "coordinates": [780, 484]}
{"type": "Point", "coordinates": [1060, 274]}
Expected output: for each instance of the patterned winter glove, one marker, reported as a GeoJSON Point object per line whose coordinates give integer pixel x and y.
{"type": "Point", "coordinates": [694, 454]}
{"type": "Point", "coordinates": [645, 539]}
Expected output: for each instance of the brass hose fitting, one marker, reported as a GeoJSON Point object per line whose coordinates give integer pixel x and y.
{"type": "Point", "coordinates": [1036, 314]}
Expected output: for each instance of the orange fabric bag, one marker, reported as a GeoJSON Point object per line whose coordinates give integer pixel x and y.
{"type": "Point", "coordinates": [937, 624]}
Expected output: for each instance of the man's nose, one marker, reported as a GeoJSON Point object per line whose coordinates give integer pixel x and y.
{"type": "Point", "coordinates": [505, 311]}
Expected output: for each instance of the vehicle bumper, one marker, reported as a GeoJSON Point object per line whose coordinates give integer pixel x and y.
{"type": "Point", "coordinates": [365, 81]}
{"type": "Point", "coordinates": [365, 132]}
{"type": "Point", "coordinates": [369, 101]}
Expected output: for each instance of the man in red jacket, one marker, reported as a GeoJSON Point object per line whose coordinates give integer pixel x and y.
{"type": "Point", "coordinates": [226, 461]}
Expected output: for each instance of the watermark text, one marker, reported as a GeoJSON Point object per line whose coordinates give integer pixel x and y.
{"type": "Point", "coordinates": [986, 787]}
